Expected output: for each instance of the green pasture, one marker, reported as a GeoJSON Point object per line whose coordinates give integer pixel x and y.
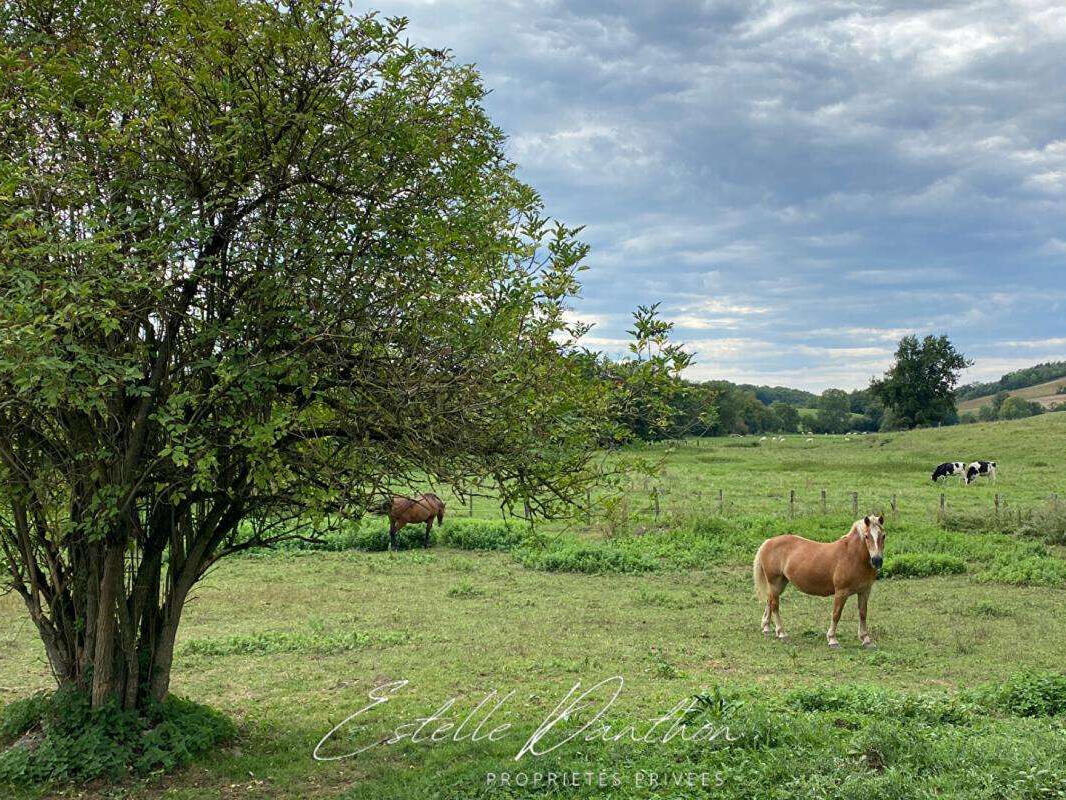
{"type": "Point", "coordinates": [960, 699]}
{"type": "Point", "coordinates": [756, 474]}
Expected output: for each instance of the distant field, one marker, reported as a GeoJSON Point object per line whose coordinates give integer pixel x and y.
{"type": "Point", "coordinates": [756, 476]}
{"type": "Point", "coordinates": [1043, 393]}
{"type": "Point", "coordinates": [289, 644]}
{"type": "Point", "coordinates": [758, 479]}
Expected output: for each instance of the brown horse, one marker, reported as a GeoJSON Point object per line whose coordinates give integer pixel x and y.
{"type": "Point", "coordinates": [842, 568]}
{"type": "Point", "coordinates": [403, 510]}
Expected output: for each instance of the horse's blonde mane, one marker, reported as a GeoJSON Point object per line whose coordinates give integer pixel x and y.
{"type": "Point", "coordinates": [854, 529]}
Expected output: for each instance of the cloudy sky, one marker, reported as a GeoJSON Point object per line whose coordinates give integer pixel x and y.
{"type": "Point", "coordinates": [799, 183]}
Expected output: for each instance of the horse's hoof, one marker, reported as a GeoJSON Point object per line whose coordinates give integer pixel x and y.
{"type": "Point", "coordinates": [835, 645]}
{"type": "Point", "coordinates": [869, 645]}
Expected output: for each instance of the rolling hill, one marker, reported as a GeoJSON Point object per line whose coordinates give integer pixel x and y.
{"type": "Point", "coordinates": [1044, 393]}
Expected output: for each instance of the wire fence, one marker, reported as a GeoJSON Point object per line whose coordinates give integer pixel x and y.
{"type": "Point", "coordinates": [658, 501]}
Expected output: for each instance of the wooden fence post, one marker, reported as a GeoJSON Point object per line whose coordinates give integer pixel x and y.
{"type": "Point", "coordinates": [997, 504]}
{"type": "Point", "coordinates": [792, 502]}
{"type": "Point", "coordinates": [824, 507]}
{"type": "Point", "coordinates": [721, 502]}
{"type": "Point", "coordinates": [943, 506]}
{"type": "Point", "coordinates": [894, 508]}
{"type": "Point", "coordinates": [588, 506]}
{"type": "Point", "coordinates": [855, 504]}
{"type": "Point", "coordinates": [655, 497]}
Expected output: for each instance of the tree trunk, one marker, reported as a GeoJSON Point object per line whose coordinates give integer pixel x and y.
{"type": "Point", "coordinates": [107, 682]}
{"type": "Point", "coordinates": [106, 607]}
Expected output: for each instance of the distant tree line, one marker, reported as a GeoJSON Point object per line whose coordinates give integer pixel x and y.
{"type": "Point", "coordinates": [651, 401]}
{"type": "Point", "coordinates": [1019, 379]}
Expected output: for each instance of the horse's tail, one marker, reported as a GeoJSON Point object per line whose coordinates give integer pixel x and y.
{"type": "Point", "coordinates": [440, 515]}
{"type": "Point", "coordinates": [758, 574]}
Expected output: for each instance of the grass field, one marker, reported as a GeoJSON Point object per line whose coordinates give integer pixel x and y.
{"type": "Point", "coordinates": [1047, 394]}
{"type": "Point", "coordinates": [289, 644]}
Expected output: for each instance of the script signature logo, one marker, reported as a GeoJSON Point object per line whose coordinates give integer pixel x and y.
{"type": "Point", "coordinates": [560, 727]}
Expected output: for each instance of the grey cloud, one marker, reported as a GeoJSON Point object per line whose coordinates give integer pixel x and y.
{"type": "Point", "coordinates": [844, 165]}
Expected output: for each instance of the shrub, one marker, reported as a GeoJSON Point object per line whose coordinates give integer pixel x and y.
{"type": "Point", "coordinates": [484, 534]}
{"type": "Point", "coordinates": [1028, 694]}
{"type": "Point", "coordinates": [1029, 571]}
{"type": "Point", "coordinates": [21, 715]}
{"type": "Point", "coordinates": [75, 742]}
{"type": "Point", "coordinates": [976, 522]}
{"type": "Point", "coordinates": [1046, 523]}
{"type": "Point", "coordinates": [921, 565]}
{"type": "Point", "coordinates": [372, 534]}
{"type": "Point", "coordinates": [572, 555]}
{"type": "Point", "coordinates": [314, 642]}
{"type": "Point", "coordinates": [865, 700]}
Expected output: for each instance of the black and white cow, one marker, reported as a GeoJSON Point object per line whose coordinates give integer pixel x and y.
{"type": "Point", "coordinates": [980, 468]}
{"type": "Point", "coordinates": [949, 468]}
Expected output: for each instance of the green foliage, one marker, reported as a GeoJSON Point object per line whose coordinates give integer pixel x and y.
{"type": "Point", "coordinates": [834, 412]}
{"type": "Point", "coordinates": [574, 555]}
{"type": "Point", "coordinates": [1028, 694]}
{"type": "Point", "coordinates": [21, 715]}
{"type": "Point", "coordinates": [1030, 571]}
{"type": "Point", "coordinates": [648, 399]}
{"type": "Point", "coordinates": [372, 534]}
{"type": "Point", "coordinates": [465, 589]}
{"type": "Point", "coordinates": [919, 388]}
{"type": "Point", "coordinates": [1019, 379]}
{"type": "Point", "coordinates": [312, 642]}
{"type": "Point", "coordinates": [68, 741]}
{"type": "Point", "coordinates": [771, 395]}
{"type": "Point", "coordinates": [921, 565]}
{"type": "Point", "coordinates": [738, 409]}
{"type": "Point", "coordinates": [484, 534]}
{"type": "Point", "coordinates": [788, 418]}
{"type": "Point", "coordinates": [286, 262]}
{"type": "Point", "coordinates": [1046, 522]}
{"type": "Point", "coordinates": [1019, 408]}
{"type": "Point", "coordinates": [867, 700]}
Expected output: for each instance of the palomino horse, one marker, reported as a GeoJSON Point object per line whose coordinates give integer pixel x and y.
{"type": "Point", "coordinates": [842, 568]}
{"type": "Point", "coordinates": [403, 510]}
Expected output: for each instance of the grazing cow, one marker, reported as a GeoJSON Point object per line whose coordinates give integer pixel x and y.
{"type": "Point", "coordinates": [949, 468]}
{"type": "Point", "coordinates": [980, 468]}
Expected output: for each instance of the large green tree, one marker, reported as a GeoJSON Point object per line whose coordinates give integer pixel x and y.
{"type": "Point", "coordinates": [259, 261]}
{"type": "Point", "coordinates": [919, 388]}
{"type": "Point", "coordinates": [834, 412]}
